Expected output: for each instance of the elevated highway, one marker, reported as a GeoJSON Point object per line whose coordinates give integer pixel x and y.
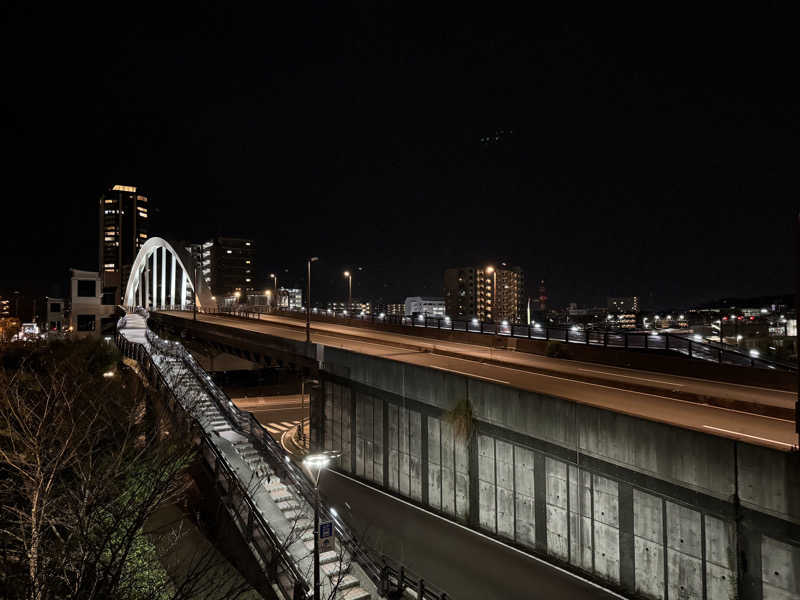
{"type": "Point", "coordinates": [756, 414]}
{"type": "Point", "coordinates": [648, 483]}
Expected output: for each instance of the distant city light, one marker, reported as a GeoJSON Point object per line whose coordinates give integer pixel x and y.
{"type": "Point", "coordinates": [380, 316]}
{"type": "Point", "coordinates": [681, 317]}
{"type": "Point", "coordinates": [754, 353]}
{"type": "Point", "coordinates": [574, 328]}
{"type": "Point", "coordinates": [698, 338]}
{"type": "Point", "coordinates": [474, 321]}
{"type": "Point", "coordinates": [108, 374]}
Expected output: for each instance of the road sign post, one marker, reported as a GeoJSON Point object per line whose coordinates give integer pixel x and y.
{"type": "Point", "coordinates": [327, 536]}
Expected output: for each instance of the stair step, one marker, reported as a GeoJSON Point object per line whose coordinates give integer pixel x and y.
{"type": "Point", "coordinates": [348, 581]}
{"type": "Point", "coordinates": [291, 514]}
{"type": "Point", "coordinates": [309, 535]}
{"type": "Point", "coordinates": [288, 505]}
{"type": "Point", "coordinates": [328, 557]}
{"type": "Point", "coordinates": [334, 568]}
{"type": "Point", "coordinates": [280, 495]}
{"type": "Point", "coordinates": [355, 593]}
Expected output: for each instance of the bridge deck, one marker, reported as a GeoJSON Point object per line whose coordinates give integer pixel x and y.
{"type": "Point", "coordinates": [658, 396]}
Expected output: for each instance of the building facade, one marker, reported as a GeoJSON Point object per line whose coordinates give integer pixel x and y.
{"type": "Point", "coordinates": [124, 215]}
{"type": "Point", "coordinates": [424, 305]}
{"type": "Point", "coordinates": [91, 311]}
{"type": "Point", "coordinates": [625, 304]}
{"type": "Point", "coordinates": [486, 293]}
{"type": "Point", "coordinates": [54, 314]}
{"type": "Point", "coordinates": [227, 265]}
{"type": "Point", "coordinates": [396, 309]}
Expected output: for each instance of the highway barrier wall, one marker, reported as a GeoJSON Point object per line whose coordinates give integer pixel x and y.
{"type": "Point", "coordinates": [646, 508]}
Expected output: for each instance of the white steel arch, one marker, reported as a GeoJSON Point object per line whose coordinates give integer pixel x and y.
{"type": "Point", "coordinates": [148, 280]}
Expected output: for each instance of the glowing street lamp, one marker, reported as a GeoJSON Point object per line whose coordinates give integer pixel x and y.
{"type": "Point", "coordinates": [275, 284]}
{"type": "Point", "coordinates": [314, 463]}
{"type": "Point", "coordinates": [349, 277]}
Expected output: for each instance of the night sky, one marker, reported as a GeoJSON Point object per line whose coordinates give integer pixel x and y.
{"type": "Point", "coordinates": [651, 154]}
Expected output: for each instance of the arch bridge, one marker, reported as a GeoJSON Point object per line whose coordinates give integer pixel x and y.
{"type": "Point", "coordinates": [163, 276]}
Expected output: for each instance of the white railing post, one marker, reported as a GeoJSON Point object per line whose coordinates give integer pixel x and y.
{"type": "Point", "coordinates": [183, 289]}
{"type": "Point", "coordinates": [172, 282]}
{"type": "Point", "coordinates": [155, 277]}
{"type": "Point", "coordinates": [163, 277]}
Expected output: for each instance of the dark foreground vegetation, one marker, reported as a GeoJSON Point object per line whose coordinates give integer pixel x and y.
{"type": "Point", "coordinates": [85, 464]}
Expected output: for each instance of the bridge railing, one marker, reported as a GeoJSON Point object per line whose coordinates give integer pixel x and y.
{"type": "Point", "coordinates": [384, 573]}
{"type": "Point", "coordinates": [633, 340]}
{"type": "Point", "coordinates": [247, 517]}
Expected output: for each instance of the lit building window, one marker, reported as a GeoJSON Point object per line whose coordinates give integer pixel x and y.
{"type": "Point", "coordinates": [230, 251]}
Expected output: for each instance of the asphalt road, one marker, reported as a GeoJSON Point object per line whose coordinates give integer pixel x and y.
{"type": "Point", "coordinates": [587, 383]}
{"type": "Point", "coordinates": [274, 409]}
{"type": "Point", "coordinates": [461, 562]}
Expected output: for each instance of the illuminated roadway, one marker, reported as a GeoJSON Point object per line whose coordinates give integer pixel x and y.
{"type": "Point", "coordinates": [592, 384]}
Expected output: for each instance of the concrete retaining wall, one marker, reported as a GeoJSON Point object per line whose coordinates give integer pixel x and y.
{"type": "Point", "coordinates": [649, 509]}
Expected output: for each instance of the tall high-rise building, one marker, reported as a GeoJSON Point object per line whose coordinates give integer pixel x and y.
{"type": "Point", "coordinates": [227, 265]}
{"type": "Point", "coordinates": [124, 213]}
{"type": "Point", "coordinates": [486, 293]}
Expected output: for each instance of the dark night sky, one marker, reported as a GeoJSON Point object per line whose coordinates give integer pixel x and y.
{"type": "Point", "coordinates": [650, 153]}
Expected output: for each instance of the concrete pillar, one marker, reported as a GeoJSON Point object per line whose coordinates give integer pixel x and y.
{"type": "Point", "coordinates": [155, 277]}
{"type": "Point", "coordinates": [183, 288]}
{"type": "Point", "coordinates": [316, 401]}
{"type": "Point", "coordinates": [172, 282]}
{"type": "Point", "coordinates": [163, 277]}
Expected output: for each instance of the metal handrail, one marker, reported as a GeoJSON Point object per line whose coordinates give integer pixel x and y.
{"type": "Point", "coordinates": [651, 340]}
{"type": "Point", "coordinates": [151, 370]}
{"type": "Point", "coordinates": [375, 566]}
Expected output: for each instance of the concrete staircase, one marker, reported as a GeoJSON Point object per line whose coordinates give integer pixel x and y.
{"type": "Point", "coordinates": [334, 564]}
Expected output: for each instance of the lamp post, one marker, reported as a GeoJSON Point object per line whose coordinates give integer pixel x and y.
{"type": "Point", "coordinates": [275, 284]}
{"type": "Point", "coordinates": [349, 277]}
{"type": "Point", "coordinates": [268, 294]}
{"type": "Point", "coordinates": [308, 300]}
{"type": "Point", "coordinates": [194, 304]}
{"type": "Point", "coordinates": [315, 463]}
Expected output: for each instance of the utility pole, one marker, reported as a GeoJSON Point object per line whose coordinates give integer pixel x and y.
{"type": "Point", "coordinates": [308, 299]}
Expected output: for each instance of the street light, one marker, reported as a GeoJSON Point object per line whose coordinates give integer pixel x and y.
{"type": "Point", "coordinates": [349, 277]}
{"type": "Point", "coordinates": [308, 304]}
{"type": "Point", "coordinates": [315, 463]}
{"type": "Point", "coordinates": [275, 282]}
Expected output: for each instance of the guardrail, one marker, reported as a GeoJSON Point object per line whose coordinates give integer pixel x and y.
{"type": "Point", "coordinates": [385, 574]}
{"type": "Point", "coordinates": [246, 515]}
{"type": "Point", "coordinates": [671, 342]}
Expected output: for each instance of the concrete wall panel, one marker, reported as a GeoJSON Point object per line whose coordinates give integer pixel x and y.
{"type": "Point", "coordinates": [556, 499]}
{"type": "Point", "coordinates": [780, 570]}
{"type": "Point", "coordinates": [704, 463]}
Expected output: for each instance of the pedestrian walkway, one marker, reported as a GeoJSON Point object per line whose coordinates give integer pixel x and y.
{"type": "Point", "coordinates": [283, 507]}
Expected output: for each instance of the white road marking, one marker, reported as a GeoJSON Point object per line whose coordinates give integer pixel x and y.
{"type": "Point", "coordinates": [609, 387]}
{"type": "Point", "coordinates": [576, 381]}
{"type": "Point", "coordinates": [631, 377]}
{"type": "Point", "coordinates": [483, 535]}
{"type": "Point", "coordinates": [747, 435]}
